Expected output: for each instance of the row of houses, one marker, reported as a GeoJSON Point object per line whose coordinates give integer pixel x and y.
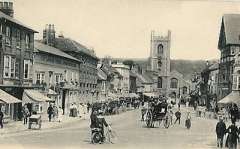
{"type": "Point", "coordinates": [62, 71]}
{"type": "Point", "coordinates": [220, 78]}
{"type": "Point", "coordinates": [53, 69]}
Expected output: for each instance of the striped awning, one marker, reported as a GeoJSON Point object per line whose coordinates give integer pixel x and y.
{"type": "Point", "coordinates": [33, 96]}
{"type": "Point", "coordinates": [7, 98]}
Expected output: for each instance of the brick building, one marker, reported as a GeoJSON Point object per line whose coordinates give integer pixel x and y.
{"type": "Point", "coordinates": [16, 54]}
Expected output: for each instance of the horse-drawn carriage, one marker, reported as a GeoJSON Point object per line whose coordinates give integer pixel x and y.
{"type": "Point", "coordinates": [157, 113]}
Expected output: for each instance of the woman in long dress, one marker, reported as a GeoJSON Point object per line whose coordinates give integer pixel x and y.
{"type": "Point", "coordinates": [60, 114]}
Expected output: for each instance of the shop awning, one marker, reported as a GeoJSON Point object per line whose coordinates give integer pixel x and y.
{"type": "Point", "coordinates": [233, 97]}
{"type": "Point", "coordinates": [150, 94]}
{"type": "Point", "coordinates": [7, 98]}
{"type": "Point", "coordinates": [32, 96]}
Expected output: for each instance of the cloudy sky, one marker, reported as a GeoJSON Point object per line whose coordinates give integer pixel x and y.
{"type": "Point", "coordinates": [121, 28]}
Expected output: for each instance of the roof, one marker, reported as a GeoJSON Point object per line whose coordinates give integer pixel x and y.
{"type": "Point", "coordinates": [67, 44]}
{"type": "Point", "coordinates": [101, 75]}
{"type": "Point", "coordinates": [11, 19]}
{"type": "Point", "coordinates": [230, 28]}
{"type": "Point", "coordinates": [144, 78]}
{"type": "Point", "coordinates": [214, 66]}
{"type": "Point", "coordinates": [7, 98]}
{"type": "Point", "coordinates": [38, 46]}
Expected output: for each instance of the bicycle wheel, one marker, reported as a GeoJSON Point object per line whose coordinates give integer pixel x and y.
{"type": "Point", "coordinates": [166, 122]}
{"type": "Point", "coordinates": [96, 137]}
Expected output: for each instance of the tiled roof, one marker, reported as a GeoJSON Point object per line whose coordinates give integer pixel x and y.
{"type": "Point", "coordinates": [11, 19]}
{"type": "Point", "coordinates": [144, 78]}
{"type": "Point", "coordinates": [67, 44]}
{"type": "Point", "coordinates": [51, 50]}
{"type": "Point", "coordinates": [231, 24]}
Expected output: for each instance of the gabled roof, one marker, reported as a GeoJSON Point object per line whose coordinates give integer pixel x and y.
{"type": "Point", "coordinates": [38, 46]}
{"type": "Point", "coordinates": [101, 74]}
{"type": "Point", "coordinates": [230, 30]}
{"type": "Point", "coordinates": [67, 44]}
{"type": "Point", "coordinates": [11, 19]}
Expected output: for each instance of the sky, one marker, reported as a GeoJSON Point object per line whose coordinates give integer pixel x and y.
{"type": "Point", "coordinates": [122, 28]}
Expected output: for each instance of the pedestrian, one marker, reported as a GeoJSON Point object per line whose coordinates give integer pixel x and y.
{"type": "Point", "coordinates": [178, 116]}
{"type": "Point", "coordinates": [55, 112]}
{"type": "Point", "coordinates": [234, 113]}
{"type": "Point", "coordinates": [1, 118]}
{"type": "Point", "coordinates": [26, 114]}
{"type": "Point", "coordinates": [60, 114]}
{"type": "Point", "coordinates": [179, 105]}
{"type": "Point", "coordinates": [50, 112]}
{"type": "Point", "coordinates": [232, 137]}
{"type": "Point", "coordinates": [220, 131]}
{"type": "Point", "coordinates": [88, 107]}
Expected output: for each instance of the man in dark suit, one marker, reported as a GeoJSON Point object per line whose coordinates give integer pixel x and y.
{"type": "Point", "coordinates": [220, 131]}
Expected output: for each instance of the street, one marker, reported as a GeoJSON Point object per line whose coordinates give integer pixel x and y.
{"type": "Point", "coordinates": [131, 133]}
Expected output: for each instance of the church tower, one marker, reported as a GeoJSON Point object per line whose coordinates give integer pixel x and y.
{"type": "Point", "coordinates": [160, 60]}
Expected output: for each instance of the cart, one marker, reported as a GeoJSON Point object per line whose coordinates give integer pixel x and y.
{"type": "Point", "coordinates": [153, 116]}
{"type": "Point", "coordinates": [35, 120]}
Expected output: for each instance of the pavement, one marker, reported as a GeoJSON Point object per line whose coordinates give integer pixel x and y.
{"type": "Point", "coordinates": [14, 127]}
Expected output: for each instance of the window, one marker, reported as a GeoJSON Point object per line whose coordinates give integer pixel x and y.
{"type": "Point", "coordinates": [9, 66]}
{"type": "Point", "coordinates": [7, 59]}
{"type": "Point", "coordinates": [174, 83]}
{"type": "Point", "coordinates": [12, 68]}
{"type": "Point", "coordinates": [159, 82]}
{"type": "Point", "coordinates": [184, 90]}
{"type": "Point", "coordinates": [160, 49]}
{"type": "Point", "coordinates": [8, 36]}
{"type": "Point", "coordinates": [159, 64]}
{"type": "Point", "coordinates": [27, 66]}
{"type": "Point", "coordinates": [238, 83]}
{"type": "Point", "coordinates": [235, 81]}
{"type": "Point", "coordinates": [40, 78]}
{"type": "Point", "coordinates": [18, 39]}
{"type": "Point", "coordinates": [27, 41]}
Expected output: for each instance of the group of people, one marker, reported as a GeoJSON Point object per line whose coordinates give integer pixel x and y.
{"type": "Point", "coordinates": [54, 113]}
{"type": "Point", "coordinates": [232, 132]}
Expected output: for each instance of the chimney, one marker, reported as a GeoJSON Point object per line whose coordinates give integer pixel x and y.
{"type": "Point", "coordinates": [49, 35]}
{"type": "Point", "coordinates": [6, 6]}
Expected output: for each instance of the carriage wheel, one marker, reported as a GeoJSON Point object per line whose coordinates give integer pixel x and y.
{"type": "Point", "coordinates": [149, 119]}
{"type": "Point", "coordinates": [40, 124]}
{"type": "Point", "coordinates": [166, 122]}
{"type": "Point", "coordinates": [96, 137]}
